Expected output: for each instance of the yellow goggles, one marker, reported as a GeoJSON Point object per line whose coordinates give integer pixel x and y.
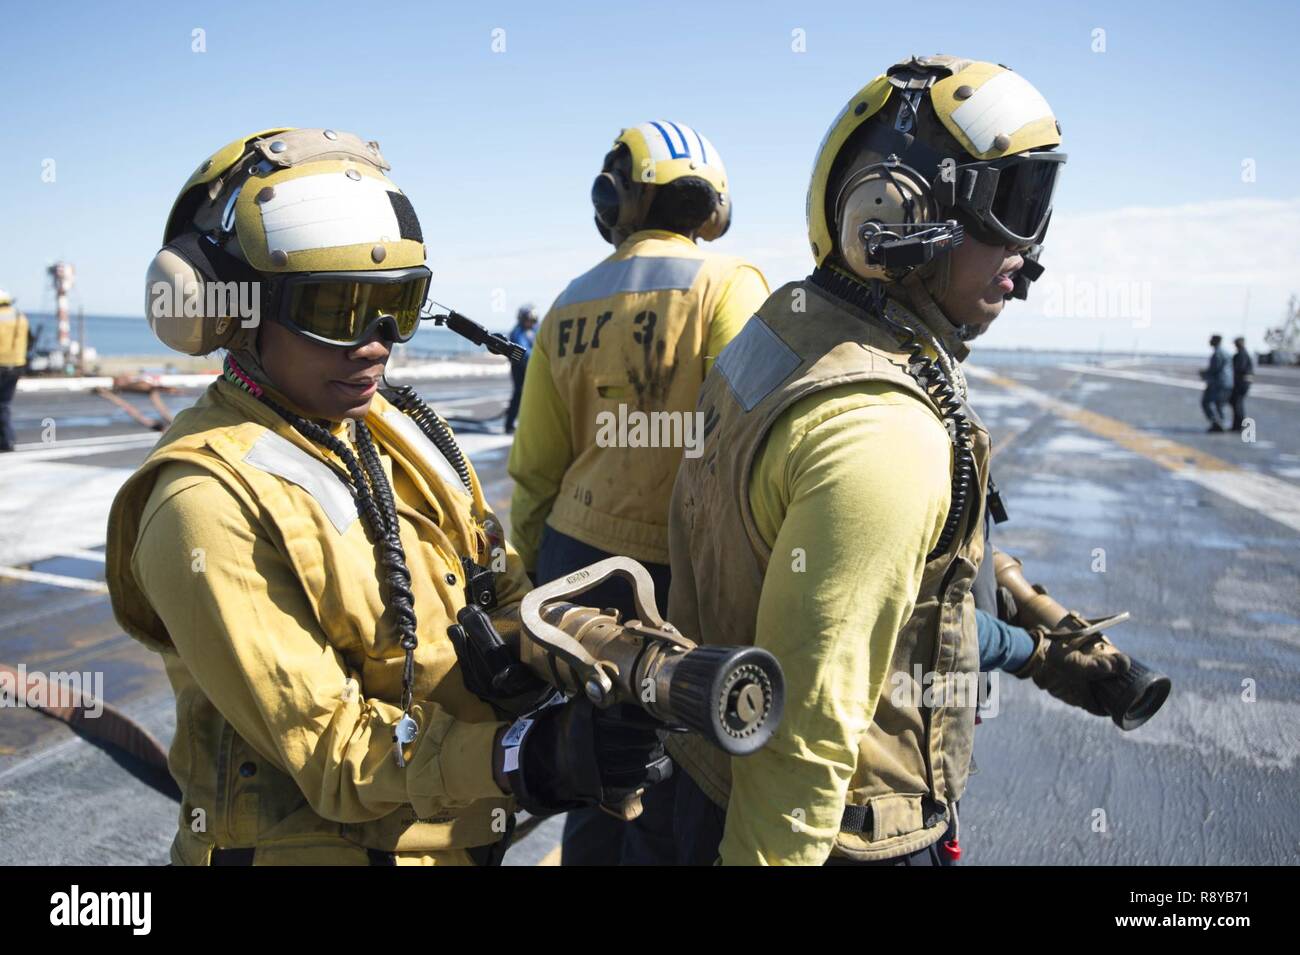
{"type": "Point", "coordinates": [349, 308]}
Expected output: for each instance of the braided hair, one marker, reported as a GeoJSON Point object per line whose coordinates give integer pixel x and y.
{"type": "Point", "coordinates": [373, 495]}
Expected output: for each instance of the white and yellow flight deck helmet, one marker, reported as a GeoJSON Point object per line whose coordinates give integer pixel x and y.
{"type": "Point", "coordinates": [935, 150]}
{"type": "Point", "coordinates": [648, 157]}
{"type": "Point", "coordinates": [311, 220]}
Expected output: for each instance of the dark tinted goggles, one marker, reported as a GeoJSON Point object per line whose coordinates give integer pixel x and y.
{"type": "Point", "coordinates": [348, 308]}
{"type": "Point", "coordinates": [1009, 201]}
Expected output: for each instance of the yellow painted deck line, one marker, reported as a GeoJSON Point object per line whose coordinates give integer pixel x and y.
{"type": "Point", "coordinates": [1272, 497]}
{"type": "Point", "coordinates": [551, 858]}
{"type": "Point", "coordinates": [1005, 441]}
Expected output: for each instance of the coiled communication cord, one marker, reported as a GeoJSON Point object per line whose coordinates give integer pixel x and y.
{"type": "Point", "coordinates": [932, 379]}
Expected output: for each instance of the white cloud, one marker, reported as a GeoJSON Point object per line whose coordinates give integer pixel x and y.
{"type": "Point", "coordinates": [1160, 279]}
{"type": "Point", "coordinates": [1136, 278]}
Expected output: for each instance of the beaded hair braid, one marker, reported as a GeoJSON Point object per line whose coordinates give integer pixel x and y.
{"type": "Point", "coordinates": [375, 505]}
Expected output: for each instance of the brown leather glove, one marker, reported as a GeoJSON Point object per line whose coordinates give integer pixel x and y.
{"type": "Point", "coordinates": [1067, 663]}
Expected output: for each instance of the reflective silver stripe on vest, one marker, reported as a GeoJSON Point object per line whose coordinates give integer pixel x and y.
{"type": "Point", "coordinates": [637, 274]}
{"type": "Point", "coordinates": [431, 457]}
{"type": "Point", "coordinates": [755, 362]}
{"type": "Point", "coordinates": [281, 457]}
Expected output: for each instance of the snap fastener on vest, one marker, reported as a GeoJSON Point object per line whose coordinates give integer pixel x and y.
{"type": "Point", "coordinates": [450, 578]}
{"type": "Point", "coordinates": [248, 769]}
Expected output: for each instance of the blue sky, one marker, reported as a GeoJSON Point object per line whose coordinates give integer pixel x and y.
{"type": "Point", "coordinates": [497, 149]}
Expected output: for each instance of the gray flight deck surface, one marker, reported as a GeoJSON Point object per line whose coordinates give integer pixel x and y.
{"type": "Point", "coordinates": [1118, 500]}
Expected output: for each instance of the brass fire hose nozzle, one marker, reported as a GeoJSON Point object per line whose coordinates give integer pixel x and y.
{"type": "Point", "coordinates": [732, 696]}
{"type": "Point", "coordinates": [1131, 698]}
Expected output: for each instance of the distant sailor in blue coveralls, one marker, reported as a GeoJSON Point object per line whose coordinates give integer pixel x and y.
{"type": "Point", "coordinates": [523, 335]}
{"type": "Point", "coordinates": [1218, 384]}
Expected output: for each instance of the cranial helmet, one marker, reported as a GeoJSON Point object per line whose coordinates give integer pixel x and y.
{"type": "Point", "coordinates": [935, 150]}
{"type": "Point", "coordinates": [301, 224]}
{"type": "Point", "coordinates": [646, 159]}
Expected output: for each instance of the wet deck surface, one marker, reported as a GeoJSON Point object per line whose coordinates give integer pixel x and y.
{"type": "Point", "coordinates": [1198, 535]}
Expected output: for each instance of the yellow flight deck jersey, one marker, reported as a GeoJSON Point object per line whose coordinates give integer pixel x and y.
{"type": "Point", "coordinates": [633, 337]}
{"type": "Point", "coordinates": [236, 552]}
{"type": "Point", "coordinates": [806, 528]}
{"type": "Point", "coordinates": [843, 476]}
{"type": "Point", "coordinates": [13, 337]}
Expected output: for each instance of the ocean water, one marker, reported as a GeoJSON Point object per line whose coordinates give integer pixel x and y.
{"type": "Point", "coordinates": [119, 335]}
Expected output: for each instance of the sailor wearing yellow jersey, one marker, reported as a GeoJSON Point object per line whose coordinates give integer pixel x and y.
{"type": "Point", "coordinates": [835, 516]}
{"type": "Point", "coordinates": [299, 546]}
{"type": "Point", "coordinates": [632, 337]}
{"type": "Point", "coordinates": [14, 342]}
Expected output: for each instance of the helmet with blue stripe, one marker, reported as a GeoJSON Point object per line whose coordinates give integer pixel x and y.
{"type": "Point", "coordinates": [643, 161]}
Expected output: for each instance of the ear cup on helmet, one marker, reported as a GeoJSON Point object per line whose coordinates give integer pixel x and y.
{"type": "Point", "coordinates": [176, 300]}
{"type": "Point", "coordinates": [891, 196]}
{"type": "Point", "coordinates": [609, 199]}
{"type": "Point", "coordinates": [619, 201]}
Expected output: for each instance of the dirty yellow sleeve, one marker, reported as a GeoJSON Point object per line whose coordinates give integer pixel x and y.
{"type": "Point", "coordinates": [846, 492]}
{"type": "Point", "coordinates": [251, 643]}
{"type": "Point", "coordinates": [541, 453]}
{"type": "Point", "coordinates": [739, 299]}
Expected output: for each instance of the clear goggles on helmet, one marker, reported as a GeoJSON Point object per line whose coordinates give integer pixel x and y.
{"type": "Point", "coordinates": [349, 308]}
{"type": "Point", "coordinates": [1006, 201]}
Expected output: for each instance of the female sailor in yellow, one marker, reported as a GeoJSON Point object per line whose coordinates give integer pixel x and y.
{"type": "Point", "coordinates": [297, 545]}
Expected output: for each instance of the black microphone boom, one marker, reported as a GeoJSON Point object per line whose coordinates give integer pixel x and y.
{"type": "Point", "coordinates": [494, 342]}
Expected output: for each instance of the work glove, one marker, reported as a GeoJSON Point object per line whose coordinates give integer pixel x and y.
{"type": "Point", "coordinates": [573, 754]}
{"type": "Point", "coordinates": [1069, 663]}
{"type": "Point", "coordinates": [488, 653]}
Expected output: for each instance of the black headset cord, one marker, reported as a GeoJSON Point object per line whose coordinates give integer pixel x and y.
{"type": "Point", "coordinates": [933, 381]}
